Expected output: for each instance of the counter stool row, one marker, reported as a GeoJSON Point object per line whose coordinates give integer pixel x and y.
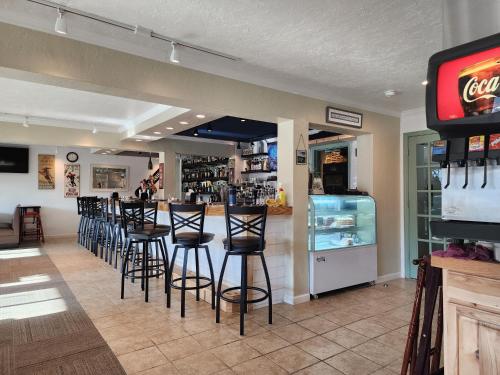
{"type": "Point", "coordinates": [135, 236]}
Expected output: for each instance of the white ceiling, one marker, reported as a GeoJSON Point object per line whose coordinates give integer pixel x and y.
{"type": "Point", "coordinates": [344, 51]}
{"type": "Point", "coordinates": [56, 106]}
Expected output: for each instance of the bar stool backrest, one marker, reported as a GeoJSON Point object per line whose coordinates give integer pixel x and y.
{"type": "Point", "coordinates": [113, 203]}
{"type": "Point", "coordinates": [91, 206]}
{"type": "Point", "coordinates": [101, 208]}
{"type": "Point", "coordinates": [150, 212]}
{"type": "Point", "coordinates": [132, 215]}
{"type": "Point", "coordinates": [79, 205]}
{"type": "Point", "coordinates": [255, 226]}
{"type": "Point", "coordinates": [188, 216]}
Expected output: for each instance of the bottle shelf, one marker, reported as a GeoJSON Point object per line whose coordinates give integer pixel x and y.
{"type": "Point", "coordinates": [251, 156]}
{"type": "Point", "coordinates": [205, 179]}
{"type": "Point", "coordinates": [202, 165]}
{"type": "Point", "coordinates": [251, 172]}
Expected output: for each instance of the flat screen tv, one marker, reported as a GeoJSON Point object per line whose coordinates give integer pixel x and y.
{"type": "Point", "coordinates": [14, 160]}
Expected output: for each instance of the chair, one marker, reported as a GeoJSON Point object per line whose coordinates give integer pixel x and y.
{"type": "Point", "coordinates": [116, 243]}
{"type": "Point", "coordinates": [190, 218]}
{"type": "Point", "coordinates": [132, 216]}
{"type": "Point", "coordinates": [245, 237]}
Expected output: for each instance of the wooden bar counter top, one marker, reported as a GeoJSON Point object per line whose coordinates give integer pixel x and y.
{"type": "Point", "coordinates": [218, 209]}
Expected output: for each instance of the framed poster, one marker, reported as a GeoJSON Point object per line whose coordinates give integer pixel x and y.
{"type": "Point", "coordinates": [345, 118]}
{"type": "Point", "coordinates": [71, 180]}
{"type": "Point", "coordinates": [109, 177]}
{"type": "Point", "coordinates": [46, 172]}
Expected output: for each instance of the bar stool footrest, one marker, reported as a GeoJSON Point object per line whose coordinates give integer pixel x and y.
{"type": "Point", "coordinates": [172, 284]}
{"type": "Point", "coordinates": [234, 300]}
{"type": "Point", "coordinates": [133, 272]}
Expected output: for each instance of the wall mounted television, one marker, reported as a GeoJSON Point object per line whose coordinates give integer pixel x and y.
{"type": "Point", "coordinates": [14, 159]}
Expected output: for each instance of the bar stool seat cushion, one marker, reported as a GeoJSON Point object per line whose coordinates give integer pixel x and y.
{"type": "Point", "coordinates": [191, 238]}
{"type": "Point", "coordinates": [146, 233]}
{"type": "Point", "coordinates": [163, 227]}
{"type": "Point", "coordinates": [244, 244]}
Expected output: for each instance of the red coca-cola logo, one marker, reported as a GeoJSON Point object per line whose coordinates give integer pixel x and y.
{"type": "Point", "coordinates": [460, 93]}
{"type": "Point", "coordinates": [484, 89]}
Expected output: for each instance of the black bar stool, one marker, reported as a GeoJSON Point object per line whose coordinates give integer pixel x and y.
{"type": "Point", "coordinates": [116, 242]}
{"type": "Point", "coordinates": [245, 237]}
{"type": "Point", "coordinates": [100, 227]}
{"type": "Point", "coordinates": [132, 215]}
{"type": "Point", "coordinates": [190, 216]}
{"type": "Point", "coordinates": [80, 222]}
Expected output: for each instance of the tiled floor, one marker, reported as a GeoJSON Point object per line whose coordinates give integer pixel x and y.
{"type": "Point", "coordinates": [357, 332]}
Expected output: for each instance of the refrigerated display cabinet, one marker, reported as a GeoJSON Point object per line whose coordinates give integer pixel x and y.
{"type": "Point", "coordinates": [342, 241]}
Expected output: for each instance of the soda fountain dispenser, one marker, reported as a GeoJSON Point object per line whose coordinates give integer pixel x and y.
{"type": "Point", "coordinates": [463, 106]}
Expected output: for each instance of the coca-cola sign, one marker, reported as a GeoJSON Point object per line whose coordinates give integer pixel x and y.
{"type": "Point", "coordinates": [469, 86]}
{"type": "Point", "coordinates": [479, 87]}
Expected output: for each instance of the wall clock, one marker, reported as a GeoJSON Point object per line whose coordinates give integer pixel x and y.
{"type": "Point", "coordinates": [72, 157]}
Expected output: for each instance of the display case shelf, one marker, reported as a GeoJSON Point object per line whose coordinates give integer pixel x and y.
{"type": "Point", "coordinates": [253, 172]}
{"type": "Point", "coordinates": [251, 156]}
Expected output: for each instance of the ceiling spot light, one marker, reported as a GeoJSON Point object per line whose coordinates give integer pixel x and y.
{"type": "Point", "coordinates": [113, 149]}
{"type": "Point", "coordinates": [157, 132]}
{"type": "Point", "coordinates": [169, 128]}
{"type": "Point", "coordinates": [60, 26]}
{"type": "Point", "coordinates": [200, 116]}
{"type": "Point", "coordinates": [174, 55]}
{"type": "Point", "coordinates": [94, 131]}
{"type": "Point", "coordinates": [242, 120]}
{"type": "Point", "coordinates": [390, 93]}
{"type": "Point", "coordinates": [425, 83]}
{"type": "Point", "coordinates": [25, 123]}
{"type": "Point", "coordinates": [138, 140]}
{"type": "Point", "coordinates": [183, 122]}
{"type": "Point", "coordinates": [209, 128]}
{"type": "Point", "coordinates": [195, 133]}
{"type": "Point", "coordinates": [238, 146]}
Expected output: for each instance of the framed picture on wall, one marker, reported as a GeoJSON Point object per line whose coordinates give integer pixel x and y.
{"type": "Point", "coordinates": [46, 172]}
{"type": "Point", "coordinates": [71, 180]}
{"type": "Point", "coordinates": [109, 177]}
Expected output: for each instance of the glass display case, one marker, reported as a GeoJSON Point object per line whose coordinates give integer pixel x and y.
{"type": "Point", "coordinates": [342, 242]}
{"type": "Point", "coordinates": [341, 221]}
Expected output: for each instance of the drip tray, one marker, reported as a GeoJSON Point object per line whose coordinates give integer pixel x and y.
{"type": "Point", "coordinates": [466, 230]}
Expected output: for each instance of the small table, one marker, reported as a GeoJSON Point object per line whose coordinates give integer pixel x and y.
{"type": "Point", "coordinates": [33, 230]}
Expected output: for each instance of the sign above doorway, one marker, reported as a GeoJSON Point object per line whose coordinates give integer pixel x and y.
{"type": "Point", "coordinates": [345, 118]}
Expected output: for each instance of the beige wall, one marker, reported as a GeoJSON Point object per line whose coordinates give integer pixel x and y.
{"type": "Point", "coordinates": [50, 59]}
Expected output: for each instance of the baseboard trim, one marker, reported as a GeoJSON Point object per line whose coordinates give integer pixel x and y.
{"type": "Point", "coordinates": [388, 277]}
{"type": "Point", "coordinates": [295, 300]}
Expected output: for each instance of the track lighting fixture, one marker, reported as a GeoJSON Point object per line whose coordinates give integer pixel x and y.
{"type": "Point", "coordinates": [238, 146]}
{"type": "Point", "coordinates": [60, 26]}
{"type": "Point", "coordinates": [174, 55]}
{"type": "Point", "coordinates": [25, 122]}
{"type": "Point", "coordinates": [209, 128]}
{"type": "Point", "coordinates": [196, 133]}
{"type": "Point", "coordinates": [94, 131]}
{"type": "Point", "coordinates": [150, 163]}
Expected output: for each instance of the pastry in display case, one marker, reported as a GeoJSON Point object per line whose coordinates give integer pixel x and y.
{"type": "Point", "coordinates": [342, 241]}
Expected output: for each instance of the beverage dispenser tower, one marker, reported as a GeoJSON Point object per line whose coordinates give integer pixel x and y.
{"type": "Point", "coordinates": [463, 106]}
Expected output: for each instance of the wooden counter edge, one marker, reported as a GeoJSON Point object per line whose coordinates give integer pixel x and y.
{"type": "Point", "coordinates": [471, 267]}
{"type": "Point", "coordinates": [218, 210]}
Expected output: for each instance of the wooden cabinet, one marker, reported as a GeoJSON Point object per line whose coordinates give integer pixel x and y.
{"type": "Point", "coordinates": [471, 292]}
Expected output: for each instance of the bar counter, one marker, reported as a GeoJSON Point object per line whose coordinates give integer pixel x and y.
{"type": "Point", "coordinates": [278, 243]}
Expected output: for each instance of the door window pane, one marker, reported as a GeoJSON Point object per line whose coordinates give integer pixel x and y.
{"type": "Point", "coordinates": [422, 154]}
{"type": "Point", "coordinates": [436, 204]}
{"type": "Point", "coordinates": [422, 179]}
{"type": "Point", "coordinates": [437, 246]}
{"type": "Point", "coordinates": [423, 228]}
{"type": "Point", "coordinates": [435, 179]}
{"type": "Point", "coordinates": [423, 248]}
{"type": "Point", "coordinates": [422, 203]}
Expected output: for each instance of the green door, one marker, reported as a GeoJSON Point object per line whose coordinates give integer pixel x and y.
{"type": "Point", "coordinates": [423, 200]}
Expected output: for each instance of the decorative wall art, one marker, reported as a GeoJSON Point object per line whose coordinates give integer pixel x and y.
{"type": "Point", "coordinates": [301, 153]}
{"type": "Point", "coordinates": [71, 180]}
{"type": "Point", "coordinates": [46, 172]}
{"type": "Point", "coordinates": [109, 177]}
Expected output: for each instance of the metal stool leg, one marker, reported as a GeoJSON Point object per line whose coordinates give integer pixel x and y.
{"type": "Point", "coordinates": [268, 282]}
{"type": "Point", "coordinates": [219, 288]}
{"type": "Point", "coordinates": [209, 260]}
{"type": "Point", "coordinates": [124, 264]}
{"type": "Point", "coordinates": [197, 271]}
{"type": "Point", "coordinates": [183, 290]}
{"type": "Point", "coordinates": [171, 272]}
{"type": "Point", "coordinates": [243, 294]}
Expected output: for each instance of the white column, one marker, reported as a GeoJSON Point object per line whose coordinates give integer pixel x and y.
{"type": "Point", "coordinates": [295, 182]}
